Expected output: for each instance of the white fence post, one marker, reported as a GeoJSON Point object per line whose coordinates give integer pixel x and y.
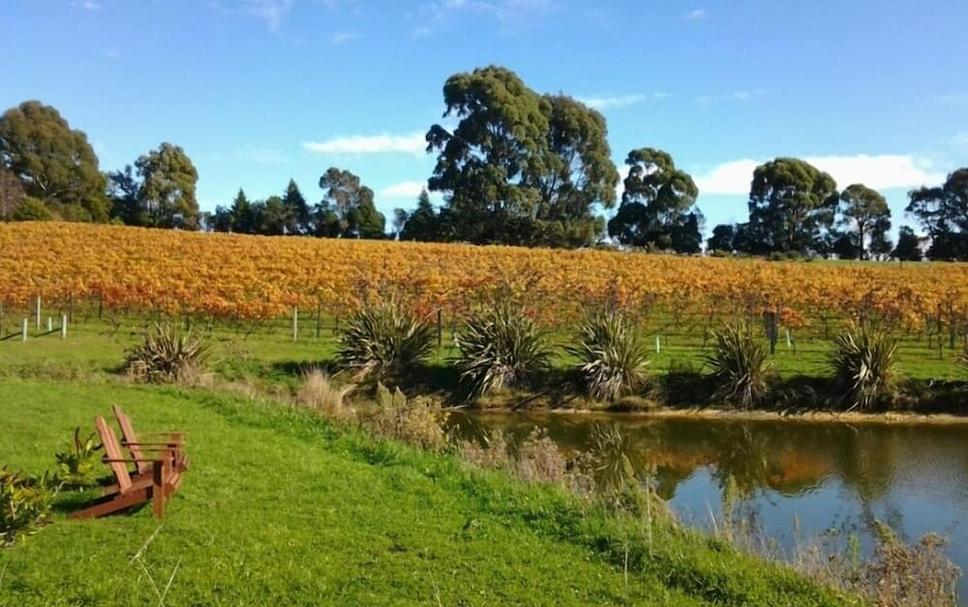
{"type": "Point", "coordinates": [64, 326]}
{"type": "Point", "coordinates": [24, 331]}
{"type": "Point", "coordinates": [50, 324]}
{"type": "Point", "coordinates": [658, 347]}
{"type": "Point", "coordinates": [38, 312]}
{"type": "Point", "coordinates": [295, 323]}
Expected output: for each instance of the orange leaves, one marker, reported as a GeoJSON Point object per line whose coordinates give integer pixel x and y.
{"type": "Point", "coordinates": [257, 277]}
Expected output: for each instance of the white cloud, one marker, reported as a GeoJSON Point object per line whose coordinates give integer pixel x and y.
{"type": "Point", "coordinates": [342, 37]}
{"type": "Point", "coordinates": [414, 143]}
{"type": "Point", "coordinates": [88, 5]}
{"type": "Point", "coordinates": [695, 14]}
{"type": "Point", "coordinates": [620, 101]}
{"type": "Point", "coordinates": [404, 189]}
{"type": "Point", "coordinates": [881, 172]}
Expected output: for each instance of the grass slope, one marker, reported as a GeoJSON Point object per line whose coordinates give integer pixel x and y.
{"type": "Point", "coordinates": [280, 507]}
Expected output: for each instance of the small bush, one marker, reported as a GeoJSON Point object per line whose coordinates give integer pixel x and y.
{"type": "Point", "coordinates": [896, 574]}
{"type": "Point", "coordinates": [384, 341]}
{"type": "Point", "coordinates": [317, 391]}
{"type": "Point", "coordinates": [740, 366]}
{"type": "Point", "coordinates": [612, 361]}
{"type": "Point", "coordinates": [418, 421]}
{"type": "Point", "coordinates": [77, 465]}
{"type": "Point", "coordinates": [166, 355]}
{"type": "Point", "coordinates": [500, 347]}
{"type": "Point", "coordinates": [865, 366]}
{"type": "Point", "coordinates": [24, 505]}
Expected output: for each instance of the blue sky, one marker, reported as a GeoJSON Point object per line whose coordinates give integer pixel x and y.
{"type": "Point", "coordinates": [258, 91]}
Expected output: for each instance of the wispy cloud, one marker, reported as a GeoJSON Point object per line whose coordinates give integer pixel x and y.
{"type": "Point", "coordinates": [342, 38]}
{"type": "Point", "coordinates": [88, 5]}
{"type": "Point", "coordinates": [262, 155]}
{"type": "Point", "coordinates": [508, 13]}
{"type": "Point", "coordinates": [696, 14]}
{"type": "Point", "coordinates": [960, 139]}
{"type": "Point", "coordinates": [413, 143]}
{"type": "Point", "coordinates": [620, 101]}
{"type": "Point", "coordinates": [272, 12]}
{"type": "Point", "coordinates": [404, 189]}
{"type": "Point", "coordinates": [881, 172]}
{"type": "Point", "coordinates": [739, 95]}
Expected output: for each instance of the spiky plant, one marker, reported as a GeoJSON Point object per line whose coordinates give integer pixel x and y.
{"type": "Point", "coordinates": [77, 465]}
{"type": "Point", "coordinates": [612, 361]}
{"type": "Point", "coordinates": [864, 361]}
{"type": "Point", "coordinates": [384, 341]}
{"type": "Point", "coordinates": [166, 355]}
{"type": "Point", "coordinates": [740, 365]}
{"type": "Point", "coordinates": [500, 347]}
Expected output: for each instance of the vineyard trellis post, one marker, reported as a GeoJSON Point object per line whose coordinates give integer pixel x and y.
{"type": "Point", "coordinates": [295, 323]}
{"type": "Point", "coordinates": [23, 332]}
{"type": "Point", "coordinates": [38, 312]}
{"type": "Point", "coordinates": [440, 330]}
{"type": "Point", "coordinates": [64, 318]}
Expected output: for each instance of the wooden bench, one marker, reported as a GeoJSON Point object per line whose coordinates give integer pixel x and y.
{"type": "Point", "coordinates": [157, 483]}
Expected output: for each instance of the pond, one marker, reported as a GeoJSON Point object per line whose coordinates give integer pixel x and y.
{"type": "Point", "coordinates": [796, 480]}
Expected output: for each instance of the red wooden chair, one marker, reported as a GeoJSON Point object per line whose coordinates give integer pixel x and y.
{"type": "Point", "coordinates": [157, 484]}
{"type": "Point", "coordinates": [171, 440]}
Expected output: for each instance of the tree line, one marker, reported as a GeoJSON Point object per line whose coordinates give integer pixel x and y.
{"type": "Point", "coordinates": [519, 167]}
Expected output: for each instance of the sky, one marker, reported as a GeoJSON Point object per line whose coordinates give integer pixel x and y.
{"type": "Point", "coordinates": [261, 91]}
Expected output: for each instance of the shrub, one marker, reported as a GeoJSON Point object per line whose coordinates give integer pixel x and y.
{"type": "Point", "coordinates": [166, 355]}
{"type": "Point", "coordinates": [24, 505]}
{"type": "Point", "coordinates": [611, 359]}
{"type": "Point", "coordinates": [77, 465]}
{"type": "Point", "coordinates": [864, 365]}
{"type": "Point", "coordinates": [896, 574]}
{"type": "Point", "coordinates": [418, 421]}
{"type": "Point", "coordinates": [500, 347]}
{"type": "Point", "coordinates": [740, 365]}
{"type": "Point", "coordinates": [536, 459]}
{"type": "Point", "coordinates": [317, 391]}
{"type": "Point", "coordinates": [384, 341]}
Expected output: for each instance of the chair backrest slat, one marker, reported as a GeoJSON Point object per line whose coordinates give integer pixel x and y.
{"type": "Point", "coordinates": [112, 451]}
{"type": "Point", "coordinates": [127, 431]}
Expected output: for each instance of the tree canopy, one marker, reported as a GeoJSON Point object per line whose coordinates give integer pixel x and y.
{"type": "Point", "coordinates": [519, 167]}
{"type": "Point", "coordinates": [655, 209]}
{"type": "Point", "coordinates": [347, 208]}
{"type": "Point", "coordinates": [866, 216]}
{"type": "Point", "coordinates": [791, 205]}
{"type": "Point", "coordinates": [54, 163]}
{"type": "Point", "coordinates": [943, 213]}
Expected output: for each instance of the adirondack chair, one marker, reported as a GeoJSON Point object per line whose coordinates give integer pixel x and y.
{"type": "Point", "coordinates": [172, 440]}
{"type": "Point", "coordinates": [157, 484]}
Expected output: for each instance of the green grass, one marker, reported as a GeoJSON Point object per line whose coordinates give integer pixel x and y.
{"type": "Point", "coordinates": [279, 507]}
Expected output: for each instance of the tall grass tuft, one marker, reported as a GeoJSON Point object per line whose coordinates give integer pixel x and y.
{"type": "Point", "coordinates": [417, 421]}
{"type": "Point", "coordinates": [740, 365]}
{"type": "Point", "coordinates": [865, 366]}
{"type": "Point", "coordinates": [384, 341]}
{"type": "Point", "coordinates": [612, 361]}
{"type": "Point", "coordinates": [166, 355]}
{"type": "Point", "coordinates": [317, 391]}
{"type": "Point", "coordinates": [500, 347]}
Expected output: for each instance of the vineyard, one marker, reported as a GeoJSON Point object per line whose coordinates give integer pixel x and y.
{"type": "Point", "coordinates": [252, 278]}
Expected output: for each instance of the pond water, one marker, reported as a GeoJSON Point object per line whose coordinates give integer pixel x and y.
{"type": "Point", "coordinates": [796, 480]}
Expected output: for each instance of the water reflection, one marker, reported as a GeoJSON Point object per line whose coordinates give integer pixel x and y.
{"type": "Point", "coordinates": [789, 474]}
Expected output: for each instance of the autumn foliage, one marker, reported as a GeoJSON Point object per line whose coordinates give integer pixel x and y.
{"type": "Point", "coordinates": [253, 277]}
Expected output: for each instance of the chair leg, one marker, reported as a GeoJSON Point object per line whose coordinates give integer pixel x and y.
{"type": "Point", "coordinates": [159, 481]}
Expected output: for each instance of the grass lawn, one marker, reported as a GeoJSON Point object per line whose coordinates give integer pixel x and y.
{"type": "Point", "coordinates": [281, 508]}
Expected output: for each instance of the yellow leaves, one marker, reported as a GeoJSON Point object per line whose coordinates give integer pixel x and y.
{"type": "Point", "coordinates": [256, 277]}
